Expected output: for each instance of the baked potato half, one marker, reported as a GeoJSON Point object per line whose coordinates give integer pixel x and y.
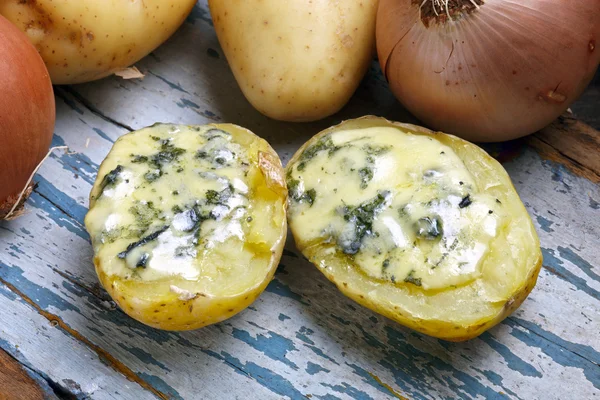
{"type": "Point", "coordinates": [188, 223]}
{"type": "Point", "coordinates": [422, 227]}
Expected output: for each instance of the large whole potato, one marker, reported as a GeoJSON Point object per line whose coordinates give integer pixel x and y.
{"type": "Point", "coordinates": [296, 60]}
{"type": "Point", "coordinates": [84, 40]}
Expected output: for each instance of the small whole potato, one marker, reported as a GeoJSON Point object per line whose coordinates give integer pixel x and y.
{"type": "Point", "coordinates": [296, 60]}
{"type": "Point", "coordinates": [85, 40]}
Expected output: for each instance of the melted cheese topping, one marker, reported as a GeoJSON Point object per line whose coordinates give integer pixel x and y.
{"type": "Point", "coordinates": [402, 207]}
{"type": "Point", "coordinates": [173, 201]}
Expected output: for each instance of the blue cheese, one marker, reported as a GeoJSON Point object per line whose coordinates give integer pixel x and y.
{"type": "Point", "coordinates": [401, 207]}
{"type": "Point", "coordinates": [175, 196]}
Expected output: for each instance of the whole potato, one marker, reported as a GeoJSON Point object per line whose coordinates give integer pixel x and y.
{"type": "Point", "coordinates": [84, 40]}
{"type": "Point", "coordinates": [296, 60]}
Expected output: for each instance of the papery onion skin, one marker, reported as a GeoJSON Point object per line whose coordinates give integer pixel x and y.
{"type": "Point", "coordinates": [496, 73]}
{"type": "Point", "coordinates": [27, 113]}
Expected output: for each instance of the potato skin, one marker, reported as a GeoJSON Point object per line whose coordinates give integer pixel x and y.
{"type": "Point", "coordinates": [85, 40]}
{"type": "Point", "coordinates": [363, 290]}
{"type": "Point", "coordinates": [296, 60]}
{"type": "Point", "coordinates": [156, 305]}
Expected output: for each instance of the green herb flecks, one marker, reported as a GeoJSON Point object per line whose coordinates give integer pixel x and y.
{"type": "Point", "coordinates": [298, 195]}
{"type": "Point", "coordinates": [111, 178]}
{"type": "Point", "coordinates": [429, 228]}
{"type": "Point", "coordinates": [219, 198]}
{"type": "Point", "coordinates": [143, 241]}
{"type": "Point", "coordinates": [410, 278]}
{"type": "Point", "coordinates": [323, 144]}
{"type": "Point", "coordinates": [375, 149]}
{"type": "Point", "coordinates": [138, 159]}
{"type": "Point", "coordinates": [360, 220]}
{"type": "Point", "coordinates": [167, 155]}
{"type": "Point", "coordinates": [366, 175]}
{"type": "Point", "coordinates": [145, 214]}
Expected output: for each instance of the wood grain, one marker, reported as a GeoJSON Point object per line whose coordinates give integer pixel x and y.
{"type": "Point", "coordinates": [572, 142]}
{"type": "Point", "coordinates": [15, 384]}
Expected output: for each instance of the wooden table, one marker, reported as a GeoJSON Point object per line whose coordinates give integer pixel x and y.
{"type": "Point", "coordinates": [301, 338]}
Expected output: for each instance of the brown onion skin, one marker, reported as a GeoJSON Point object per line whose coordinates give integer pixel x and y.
{"type": "Point", "coordinates": [27, 112]}
{"type": "Point", "coordinates": [498, 73]}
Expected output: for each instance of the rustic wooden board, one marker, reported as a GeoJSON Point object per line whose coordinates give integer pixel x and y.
{"type": "Point", "coordinates": [301, 338]}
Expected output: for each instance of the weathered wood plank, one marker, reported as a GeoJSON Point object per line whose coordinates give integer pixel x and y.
{"type": "Point", "coordinates": [573, 144]}
{"type": "Point", "coordinates": [46, 350]}
{"type": "Point", "coordinates": [292, 335]}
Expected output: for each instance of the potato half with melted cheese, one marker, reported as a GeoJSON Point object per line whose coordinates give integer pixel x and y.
{"type": "Point", "coordinates": [188, 223]}
{"type": "Point", "coordinates": [422, 227]}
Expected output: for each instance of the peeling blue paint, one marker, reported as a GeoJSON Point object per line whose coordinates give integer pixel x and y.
{"type": "Point", "coordinates": [400, 357]}
{"type": "Point", "coordinates": [312, 368]}
{"type": "Point", "coordinates": [185, 103]}
{"type": "Point", "coordinates": [328, 397]}
{"type": "Point", "coordinates": [348, 389]}
{"type": "Point", "coordinates": [368, 378]}
{"type": "Point", "coordinates": [512, 360]}
{"type": "Point", "coordinates": [576, 355]}
{"type": "Point", "coordinates": [320, 353]}
{"type": "Point", "coordinates": [77, 164]}
{"type": "Point", "coordinates": [170, 84]}
{"type": "Point", "coordinates": [278, 288]}
{"type": "Point", "coordinates": [16, 249]}
{"type": "Point", "coordinates": [558, 174]}
{"type": "Point", "coordinates": [103, 135]}
{"type": "Point", "coordinates": [144, 356]}
{"type": "Point", "coordinates": [267, 378]}
{"type": "Point", "coordinates": [545, 224]}
{"type": "Point", "coordinates": [283, 317]}
{"type": "Point", "coordinates": [66, 203]}
{"type": "Point", "coordinates": [555, 266]}
{"type": "Point", "coordinates": [497, 380]}
{"type": "Point", "coordinates": [160, 385]}
{"type": "Point", "coordinates": [275, 346]}
{"type": "Point", "coordinates": [60, 218]}
{"type": "Point", "coordinates": [43, 297]}
{"type": "Point", "coordinates": [578, 261]}
{"type": "Point", "coordinates": [304, 333]}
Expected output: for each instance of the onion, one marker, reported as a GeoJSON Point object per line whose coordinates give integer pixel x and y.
{"type": "Point", "coordinates": [488, 70]}
{"type": "Point", "coordinates": [27, 114]}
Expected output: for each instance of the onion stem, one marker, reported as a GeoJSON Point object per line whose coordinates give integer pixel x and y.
{"type": "Point", "coordinates": [14, 207]}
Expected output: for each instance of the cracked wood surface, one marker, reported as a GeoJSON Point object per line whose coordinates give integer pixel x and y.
{"type": "Point", "coordinates": [301, 338]}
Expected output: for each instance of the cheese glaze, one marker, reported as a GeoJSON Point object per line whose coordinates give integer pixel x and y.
{"type": "Point", "coordinates": [175, 201]}
{"type": "Point", "coordinates": [401, 207]}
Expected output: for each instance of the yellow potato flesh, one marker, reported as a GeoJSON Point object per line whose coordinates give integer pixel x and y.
{"type": "Point", "coordinates": [224, 273]}
{"type": "Point", "coordinates": [296, 60]}
{"type": "Point", "coordinates": [442, 303]}
{"type": "Point", "coordinates": [84, 40]}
